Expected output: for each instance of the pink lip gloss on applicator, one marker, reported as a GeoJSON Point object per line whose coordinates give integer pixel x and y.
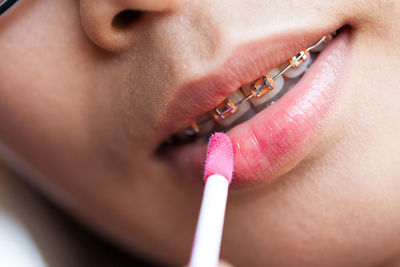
{"type": "Point", "coordinates": [217, 175]}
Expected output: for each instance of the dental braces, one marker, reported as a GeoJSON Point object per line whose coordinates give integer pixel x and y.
{"type": "Point", "coordinates": [258, 88]}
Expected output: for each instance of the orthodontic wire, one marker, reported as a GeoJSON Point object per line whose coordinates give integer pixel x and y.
{"type": "Point", "coordinates": [248, 97]}
{"type": "Point", "coordinates": [320, 41]}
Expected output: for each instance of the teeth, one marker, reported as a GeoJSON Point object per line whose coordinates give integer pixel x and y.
{"type": "Point", "coordinates": [293, 73]}
{"type": "Point", "coordinates": [243, 108]}
{"type": "Point", "coordinates": [319, 48]}
{"type": "Point", "coordinates": [252, 105]}
{"type": "Point", "coordinates": [289, 83]}
{"type": "Point", "coordinates": [322, 46]}
{"type": "Point", "coordinates": [207, 126]}
{"type": "Point", "coordinates": [279, 82]}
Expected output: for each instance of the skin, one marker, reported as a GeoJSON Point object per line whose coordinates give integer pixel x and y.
{"type": "Point", "coordinates": [81, 103]}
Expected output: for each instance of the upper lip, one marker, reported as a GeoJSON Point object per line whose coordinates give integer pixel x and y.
{"type": "Point", "coordinates": [248, 61]}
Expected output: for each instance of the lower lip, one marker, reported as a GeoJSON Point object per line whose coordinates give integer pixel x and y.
{"type": "Point", "coordinates": [279, 137]}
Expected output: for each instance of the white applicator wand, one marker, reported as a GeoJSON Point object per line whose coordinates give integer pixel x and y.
{"type": "Point", "coordinates": [218, 176]}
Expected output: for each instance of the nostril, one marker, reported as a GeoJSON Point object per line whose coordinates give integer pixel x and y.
{"type": "Point", "coordinates": [126, 18]}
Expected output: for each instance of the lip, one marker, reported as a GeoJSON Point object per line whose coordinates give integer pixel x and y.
{"type": "Point", "coordinates": [245, 62]}
{"type": "Point", "coordinates": [279, 137]}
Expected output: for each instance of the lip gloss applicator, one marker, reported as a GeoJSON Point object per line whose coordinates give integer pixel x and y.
{"type": "Point", "coordinates": [218, 176]}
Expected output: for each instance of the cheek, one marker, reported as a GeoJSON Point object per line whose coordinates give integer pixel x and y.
{"type": "Point", "coordinates": [61, 108]}
{"type": "Point", "coordinates": [40, 99]}
{"type": "Point", "coordinates": [54, 110]}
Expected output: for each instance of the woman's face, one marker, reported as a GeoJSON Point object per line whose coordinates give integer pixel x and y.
{"type": "Point", "coordinates": [88, 95]}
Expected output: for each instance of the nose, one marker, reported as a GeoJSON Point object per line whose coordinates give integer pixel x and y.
{"type": "Point", "coordinates": [108, 23]}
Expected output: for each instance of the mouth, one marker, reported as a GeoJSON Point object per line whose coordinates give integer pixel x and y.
{"type": "Point", "coordinates": [273, 121]}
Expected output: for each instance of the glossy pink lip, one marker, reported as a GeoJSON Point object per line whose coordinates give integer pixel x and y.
{"type": "Point", "coordinates": [277, 138]}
